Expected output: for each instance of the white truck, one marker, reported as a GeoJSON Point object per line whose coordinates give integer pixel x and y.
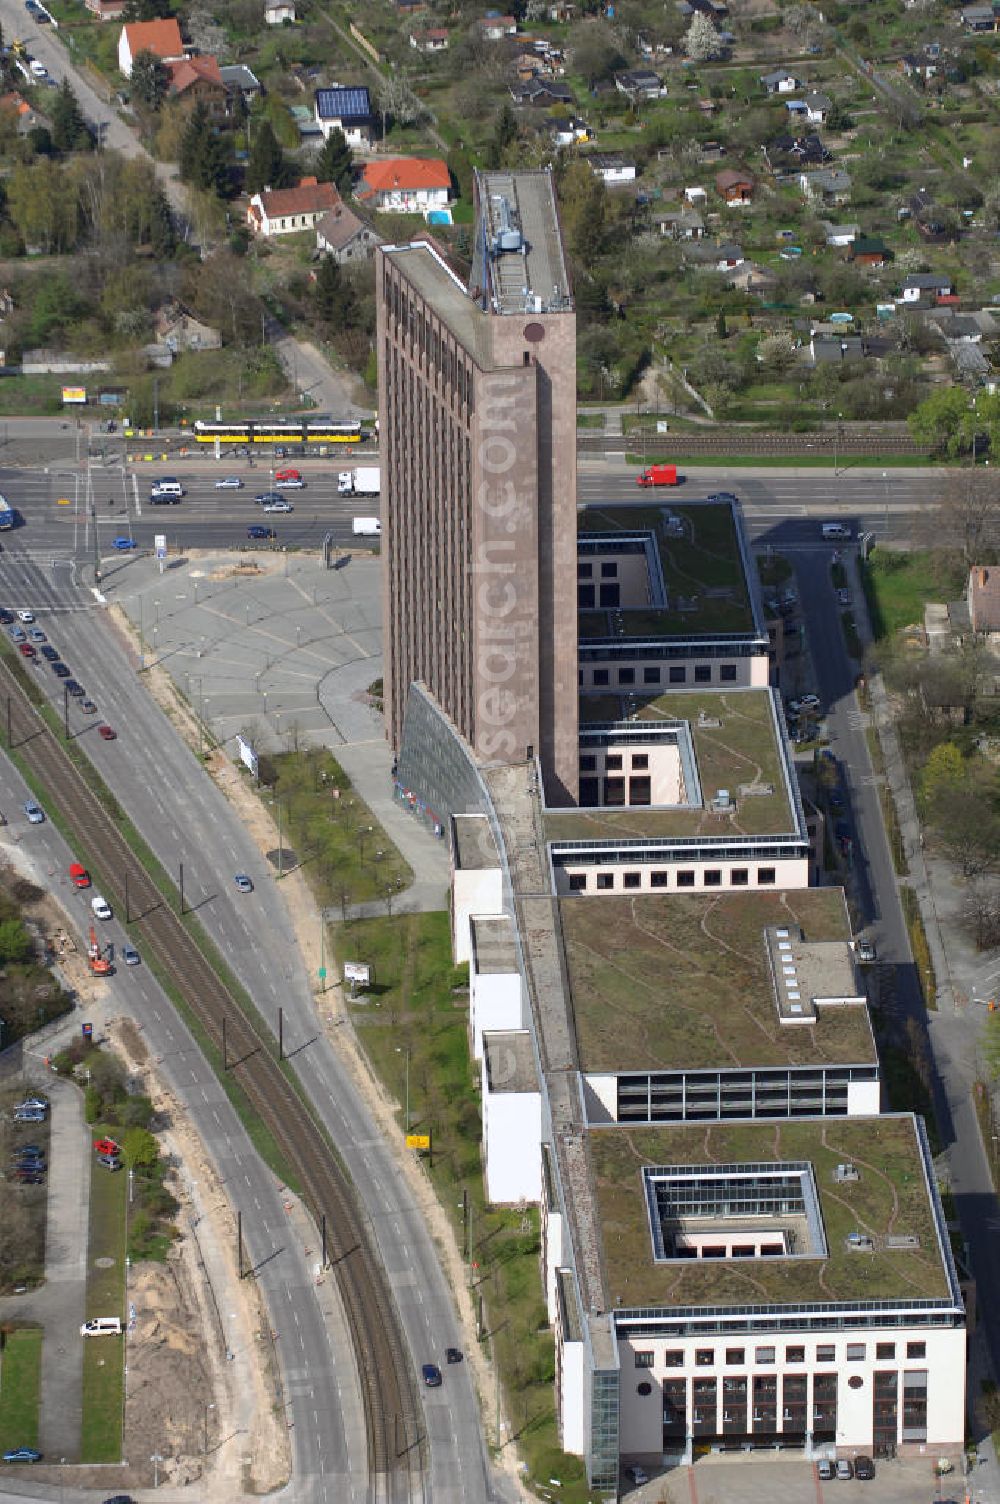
{"type": "Point", "coordinates": [364, 481]}
{"type": "Point", "coordinates": [367, 527]}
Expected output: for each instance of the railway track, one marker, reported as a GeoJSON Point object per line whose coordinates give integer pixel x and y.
{"type": "Point", "coordinates": [724, 441]}
{"type": "Point", "coordinates": [392, 1416]}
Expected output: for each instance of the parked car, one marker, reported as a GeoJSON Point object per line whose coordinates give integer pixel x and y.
{"type": "Point", "coordinates": [26, 616]}
{"type": "Point", "coordinates": [864, 1468]}
{"type": "Point", "coordinates": [866, 951]}
{"type": "Point", "coordinates": [37, 635]}
{"type": "Point", "coordinates": [33, 812]}
{"type": "Point", "coordinates": [60, 670]}
{"type": "Point", "coordinates": [22, 1454]}
{"type": "Point", "coordinates": [637, 1474]}
{"type": "Point", "coordinates": [26, 650]}
{"type": "Point", "coordinates": [18, 635]}
{"type": "Point", "coordinates": [107, 1146]}
{"type": "Point", "coordinates": [229, 483]}
{"type": "Point", "coordinates": [49, 653]}
{"type": "Point", "coordinates": [825, 1471]}
{"type": "Point", "coordinates": [75, 688]}
{"type": "Point", "coordinates": [845, 1471]}
{"type": "Point", "coordinates": [88, 707]}
{"type": "Point", "coordinates": [844, 596]}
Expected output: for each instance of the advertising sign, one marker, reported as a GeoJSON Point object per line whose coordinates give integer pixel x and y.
{"type": "Point", "coordinates": [248, 756]}
{"type": "Point", "coordinates": [76, 394]}
{"type": "Point", "coordinates": [358, 972]}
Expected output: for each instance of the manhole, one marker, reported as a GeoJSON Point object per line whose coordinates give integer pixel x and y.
{"type": "Point", "coordinates": [104, 1263]}
{"type": "Point", "coordinates": [283, 857]}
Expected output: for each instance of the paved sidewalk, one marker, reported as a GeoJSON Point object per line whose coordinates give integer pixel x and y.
{"type": "Point", "coordinates": [60, 1304]}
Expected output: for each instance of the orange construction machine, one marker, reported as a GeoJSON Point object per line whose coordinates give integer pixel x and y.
{"type": "Point", "coordinates": [99, 964]}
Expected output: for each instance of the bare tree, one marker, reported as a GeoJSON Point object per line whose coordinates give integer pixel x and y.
{"type": "Point", "coordinates": [967, 520]}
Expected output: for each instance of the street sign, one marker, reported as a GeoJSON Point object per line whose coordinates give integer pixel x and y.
{"type": "Point", "coordinates": [160, 545]}
{"type": "Point", "coordinates": [358, 972]}
{"type": "Point", "coordinates": [418, 1140]}
{"type": "Point", "coordinates": [322, 973]}
{"type": "Point", "coordinates": [87, 1030]}
{"type": "Point", "coordinates": [248, 756]}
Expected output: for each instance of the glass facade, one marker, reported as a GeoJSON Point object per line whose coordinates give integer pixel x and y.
{"type": "Point", "coordinates": [685, 1096]}
{"type": "Point", "coordinates": [604, 1430]}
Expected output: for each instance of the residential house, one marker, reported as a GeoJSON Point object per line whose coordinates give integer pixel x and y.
{"type": "Point", "coordinates": [493, 27]}
{"type": "Point", "coordinates": [571, 133]}
{"type": "Point", "coordinates": [711, 151]}
{"type": "Point", "coordinates": [748, 277]}
{"type": "Point", "coordinates": [161, 38]}
{"type": "Point", "coordinates": [640, 83]}
{"type": "Point", "coordinates": [780, 81]}
{"type": "Point", "coordinates": [680, 224]}
{"type": "Point", "coordinates": [198, 80]}
{"type": "Point", "coordinates": [972, 365]}
{"type": "Point", "coordinates": [611, 167]}
{"type": "Point", "coordinates": [345, 109]}
{"type": "Point", "coordinates": [827, 185]}
{"type": "Point", "coordinates": [179, 330]}
{"type": "Point", "coordinates": [542, 93]}
{"type": "Point", "coordinates": [834, 349]}
{"type": "Point", "coordinates": [696, 195]}
{"type": "Point", "coordinates": [979, 18]}
{"type": "Point", "coordinates": [736, 186]}
{"type": "Point", "coordinates": [868, 250]}
{"type": "Point", "coordinates": [814, 107]}
{"type": "Point", "coordinates": [344, 236]}
{"type": "Point", "coordinates": [921, 285]}
{"type": "Point", "coordinates": [840, 234]}
{"type": "Point", "coordinates": [27, 117]}
{"type": "Point", "coordinates": [405, 185]}
{"type": "Point", "coordinates": [970, 328]}
{"type": "Point", "coordinates": [561, 13]}
{"type": "Point", "coordinates": [106, 10]}
{"type": "Point", "coordinates": [277, 12]}
{"type": "Point", "coordinates": [796, 151]}
{"type": "Point", "coordinates": [982, 593]}
{"type": "Point", "coordinates": [915, 65]}
{"type": "Point", "coordinates": [286, 211]}
{"type": "Point", "coordinates": [434, 39]}
{"type": "Point", "coordinates": [719, 256]}
{"type": "Point", "coordinates": [239, 79]}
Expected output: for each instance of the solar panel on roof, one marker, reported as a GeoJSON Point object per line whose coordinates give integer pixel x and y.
{"type": "Point", "coordinates": [344, 104]}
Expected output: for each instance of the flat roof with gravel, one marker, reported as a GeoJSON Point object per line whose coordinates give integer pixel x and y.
{"type": "Point", "coordinates": [681, 981]}
{"type": "Point", "coordinates": [882, 1230]}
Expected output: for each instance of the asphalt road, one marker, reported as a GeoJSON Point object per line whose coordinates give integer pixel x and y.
{"type": "Point", "coordinates": [185, 819]}
{"type": "Point", "coordinates": [328, 1466]}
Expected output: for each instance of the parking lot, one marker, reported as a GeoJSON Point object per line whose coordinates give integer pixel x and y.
{"type": "Point", "coordinates": [759, 1480]}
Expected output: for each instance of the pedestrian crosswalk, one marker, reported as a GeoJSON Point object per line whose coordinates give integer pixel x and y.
{"type": "Point", "coordinates": [44, 581]}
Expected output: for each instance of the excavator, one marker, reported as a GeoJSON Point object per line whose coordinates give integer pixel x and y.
{"type": "Point", "coordinates": [99, 964]}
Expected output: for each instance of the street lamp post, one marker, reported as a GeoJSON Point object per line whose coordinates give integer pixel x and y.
{"type": "Point", "coordinates": [885, 495]}
{"type": "Point", "coordinates": [404, 1050]}
{"type": "Point", "coordinates": [156, 1459]}
{"type": "Point", "coordinates": [205, 1448]}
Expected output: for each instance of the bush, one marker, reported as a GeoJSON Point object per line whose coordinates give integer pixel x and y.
{"type": "Point", "coordinates": [137, 1113]}
{"type": "Point", "coordinates": [92, 1104]}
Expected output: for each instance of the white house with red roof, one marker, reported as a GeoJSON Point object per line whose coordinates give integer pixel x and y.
{"type": "Point", "coordinates": [286, 211]}
{"type": "Point", "coordinates": [161, 38]}
{"type": "Point", "coordinates": [408, 185]}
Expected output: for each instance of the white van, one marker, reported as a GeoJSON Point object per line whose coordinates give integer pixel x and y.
{"type": "Point", "coordinates": [367, 527]}
{"type": "Point", "coordinates": [102, 1326]}
{"type": "Point", "coordinates": [100, 907]}
{"type": "Point", "coordinates": [836, 531]}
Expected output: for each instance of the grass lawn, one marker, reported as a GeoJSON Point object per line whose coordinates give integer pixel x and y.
{"type": "Point", "coordinates": [898, 586]}
{"type": "Point", "coordinates": [31, 395]}
{"type": "Point", "coordinates": [346, 854]}
{"type": "Point", "coordinates": [103, 1381]}
{"type": "Point", "coordinates": [416, 1021]}
{"type": "Point", "coordinates": [20, 1382]}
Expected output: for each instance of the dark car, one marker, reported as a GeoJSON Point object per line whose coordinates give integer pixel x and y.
{"type": "Point", "coordinates": [49, 653]}
{"type": "Point", "coordinates": [75, 688]}
{"type": "Point", "coordinates": [431, 1375]}
{"type": "Point", "coordinates": [29, 1174]}
{"type": "Point", "coordinates": [452, 1355]}
{"type": "Point", "coordinates": [6, 617]}
{"type": "Point", "coordinates": [107, 733]}
{"type": "Point", "coordinates": [864, 1468]}
{"type": "Point", "coordinates": [60, 670]}
{"type": "Point", "coordinates": [261, 532]}
{"type": "Point", "coordinates": [268, 498]}
{"type": "Point", "coordinates": [120, 1499]}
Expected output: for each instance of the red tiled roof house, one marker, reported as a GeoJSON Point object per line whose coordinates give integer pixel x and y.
{"type": "Point", "coordinates": [286, 211]}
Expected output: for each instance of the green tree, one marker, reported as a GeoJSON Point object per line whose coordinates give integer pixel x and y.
{"type": "Point", "coordinates": [943, 771]}
{"type": "Point", "coordinates": [149, 80]}
{"type": "Point", "coordinates": [139, 1150]}
{"type": "Point", "coordinates": [267, 167]}
{"type": "Point", "coordinates": [161, 226]}
{"type": "Point", "coordinates": [942, 422]}
{"type": "Point", "coordinates": [335, 301]}
{"type": "Point", "coordinates": [335, 164]}
{"type": "Point", "coordinates": [504, 135]}
{"type": "Point", "coordinates": [720, 325]}
{"type": "Point", "coordinates": [69, 129]}
{"type": "Point", "coordinates": [15, 942]}
{"type": "Point", "coordinates": [202, 155]}
{"type": "Point", "coordinates": [146, 10]}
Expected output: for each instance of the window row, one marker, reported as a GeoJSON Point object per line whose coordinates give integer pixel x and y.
{"type": "Point", "coordinates": [652, 674]}
{"type": "Point", "coordinates": [705, 1357]}
{"type": "Point", "coordinates": [659, 877]}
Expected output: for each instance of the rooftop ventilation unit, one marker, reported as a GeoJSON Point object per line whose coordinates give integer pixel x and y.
{"type": "Point", "coordinates": [859, 1242]}
{"type": "Point", "coordinates": [843, 1173]}
{"type": "Point", "coordinates": [506, 236]}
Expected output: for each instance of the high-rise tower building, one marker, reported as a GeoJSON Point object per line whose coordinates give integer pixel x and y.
{"type": "Point", "coordinates": [477, 413]}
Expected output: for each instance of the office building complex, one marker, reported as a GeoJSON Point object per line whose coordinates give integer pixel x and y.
{"type": "Point", "coordinates": [478, 439]}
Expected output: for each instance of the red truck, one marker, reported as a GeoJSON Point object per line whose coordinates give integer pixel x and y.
{"type": "Point", "coordinates": [658, 475]}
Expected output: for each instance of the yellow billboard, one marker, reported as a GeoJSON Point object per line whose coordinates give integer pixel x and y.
{"type": "Point", "coordinates": [418, 1140]}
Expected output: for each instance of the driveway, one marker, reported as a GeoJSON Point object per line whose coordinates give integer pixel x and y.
{"type": "Point", "coordinates": [59, 1306]}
